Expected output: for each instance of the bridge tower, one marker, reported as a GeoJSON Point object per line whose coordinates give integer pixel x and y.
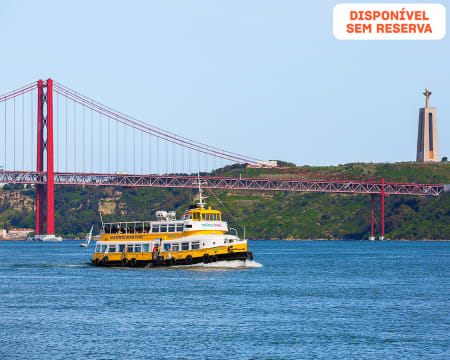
{"type": "Point", "coordinates": [45, 192]}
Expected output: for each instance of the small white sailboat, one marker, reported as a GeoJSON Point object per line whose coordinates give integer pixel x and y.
{"type": "Point", "coordinates": [88, 238]}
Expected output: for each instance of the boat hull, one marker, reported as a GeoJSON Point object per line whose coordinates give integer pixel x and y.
{"type": "Point", "coordinates": [161, 262]}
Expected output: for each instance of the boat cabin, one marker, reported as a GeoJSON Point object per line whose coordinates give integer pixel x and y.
{"type": "Point", "coordinates": [143, 227]}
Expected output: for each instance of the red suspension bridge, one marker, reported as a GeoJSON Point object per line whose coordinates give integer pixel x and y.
{"type": "Point", "coordinates": [80, 141]}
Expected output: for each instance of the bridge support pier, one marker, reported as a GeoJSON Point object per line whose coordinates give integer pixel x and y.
{"type": "Point", "coordinates": [45, 143]}
{"type": "Point", "coordinates": [371, 217]}
{"type": "Point", "coordinates": [382, 209]}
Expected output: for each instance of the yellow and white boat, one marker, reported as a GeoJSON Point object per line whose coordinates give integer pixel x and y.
{"type": "Point", "coordinates": [200, 237]}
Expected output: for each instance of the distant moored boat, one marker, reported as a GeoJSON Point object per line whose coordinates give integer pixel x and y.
{"type": "Point", "coordinates": [45, 238]}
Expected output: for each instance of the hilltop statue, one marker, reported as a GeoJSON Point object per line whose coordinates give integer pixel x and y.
{"type": "Point", "coordinates": [427, 141]}
{"type": "Point", "coordinates": [427, 94]}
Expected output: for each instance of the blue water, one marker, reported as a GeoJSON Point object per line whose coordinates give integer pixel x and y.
{"type": "Point", "coordinates": [309, 300]}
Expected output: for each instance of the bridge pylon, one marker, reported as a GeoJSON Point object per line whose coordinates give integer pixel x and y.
{"type": "Point", "coordinates": [45, 203]}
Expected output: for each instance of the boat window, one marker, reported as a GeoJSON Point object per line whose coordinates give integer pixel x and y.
{"type": "Point", "coordinates": [104, 248]}
{"type": "Point", "coordinates": [146, 227]}
{"type": "Point", "coordinates": [218, 217]}
{"type": "Point", "coordinates": [121, 247]}
{"type": "Point", "coordinates": [107, 229]}
{"type": "Point", "coordinates": [115, 228]}
{"type": "Point", "coordinates": [164, 228]}
{"type": "Point", "coordinates": [97, 248]}
{"type": "Point", "coordinates": [188, 216]}
{"type": "Point", "coordinates": [130, 228]}
{"type": "Point", "coordinates": [155, 228]}
{"type": "Point", "coordinates": [112, 248]}
{"type": "Point", "coordinates": [196, 216]}
{"type": "Point", "coordinates": [130, 248]}
{"type": "Point", "coordinates": [185, 246]}
{"type": "Point", "coordinates": [171, 227]}
{"type": "Point", "coordinates": [195, 245]}
{"type": "Point", "coordinates": [137, 248]}
{"type": "Point", "coordinates": [176, 247]}
{"type": "Point", "coordinates": [203, 216]}
{"type": "Point", "coordinates": [180, 227]}
{"type": "Point", "coordinates": [166, 247]}
{"type": "Point", "coordinates": [123, 228]}
{"type": "Point", "coordinates": [225, 241]}
{"type": "Point", "coordinates": [139, 228]}
{"type": "Point", "coordinates": [146, 248]}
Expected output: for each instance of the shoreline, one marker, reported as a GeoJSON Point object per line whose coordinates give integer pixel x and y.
{"type": "Point", "coordinates": [270, 239]}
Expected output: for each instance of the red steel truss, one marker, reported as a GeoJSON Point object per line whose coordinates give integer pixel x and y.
{"type": "Point", "coordinates": [257, 184]}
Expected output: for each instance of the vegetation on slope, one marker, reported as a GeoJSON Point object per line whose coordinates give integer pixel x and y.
{"type": "Point", "coordinates": [278, 215]}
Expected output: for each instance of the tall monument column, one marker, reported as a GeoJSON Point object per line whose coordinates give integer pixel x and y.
{"type": "Point", "coordinates": [427, 141]}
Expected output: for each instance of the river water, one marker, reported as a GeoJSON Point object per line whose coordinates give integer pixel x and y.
{"type": "Point", "coordinates": [298, 300]}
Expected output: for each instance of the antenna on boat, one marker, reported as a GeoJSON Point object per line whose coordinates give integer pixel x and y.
{"type": "Point", "coordinates": [200, 191]}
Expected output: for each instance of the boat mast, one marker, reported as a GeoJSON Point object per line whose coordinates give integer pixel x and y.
{"type": "Point", "coordinates": [90, 235]}
{"type": "Point", "coordinates": [200, 190]}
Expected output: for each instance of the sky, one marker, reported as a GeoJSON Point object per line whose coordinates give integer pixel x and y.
{"type": "Point", "coordinates": [262, 78]}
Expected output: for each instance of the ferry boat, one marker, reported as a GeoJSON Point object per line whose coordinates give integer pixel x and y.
{"type": "Point", "coordinates": [201, 236]}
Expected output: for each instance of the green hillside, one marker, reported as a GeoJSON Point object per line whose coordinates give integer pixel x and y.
{"type": "Point", "coordinates": [277, 215]}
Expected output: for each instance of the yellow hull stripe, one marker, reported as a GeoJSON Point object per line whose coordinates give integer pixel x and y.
{"type": "Point", "coordinates": [179, 255]}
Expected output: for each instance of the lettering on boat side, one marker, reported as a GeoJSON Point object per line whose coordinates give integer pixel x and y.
{"type": "Point", "coordinates": [134, 237]}
{"type": "Point", "coordinates": [208, 225]}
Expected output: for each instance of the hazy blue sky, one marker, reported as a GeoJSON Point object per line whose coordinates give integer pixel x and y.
{"type": "Point", "coordinates": [262, 78]}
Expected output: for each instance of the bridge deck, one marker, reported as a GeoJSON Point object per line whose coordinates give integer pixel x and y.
{"type": "Point", "coordinates": [258, 184]}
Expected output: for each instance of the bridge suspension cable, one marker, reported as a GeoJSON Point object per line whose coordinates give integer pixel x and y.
{"type": "Point", "coordinates": [98, 133]}
{"type": "Point", "coordinates": [190, 144]}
